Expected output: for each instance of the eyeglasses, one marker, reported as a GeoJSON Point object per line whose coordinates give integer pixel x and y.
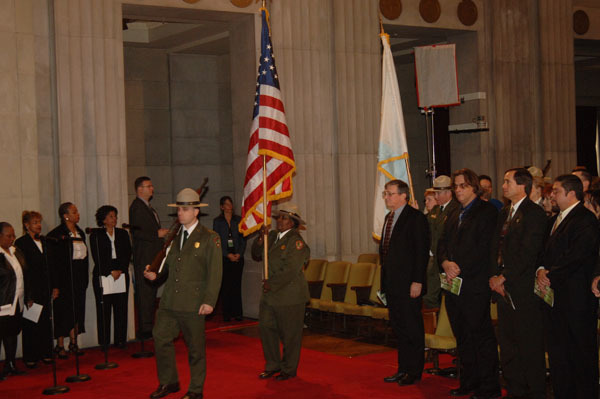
{"type": "Point", "coordinates": [387, 194]}
{"type": "Point", "coordinates": [148, 186]}
{"type": "Point", "coordinates": [462, 186]}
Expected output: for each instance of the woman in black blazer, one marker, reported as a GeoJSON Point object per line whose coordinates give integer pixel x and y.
{"type": "Point", "coordinates": [66, 251]}
{"type": "Point", "coordinates": [233, 245]}
{"type": "Point", "coordinates": [37, 337]}
{"type": "Point", "coordinates": [111, 251]}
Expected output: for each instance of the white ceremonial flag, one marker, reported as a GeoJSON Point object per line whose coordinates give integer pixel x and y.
{"type": "Point", "coordinates": [392, 161]}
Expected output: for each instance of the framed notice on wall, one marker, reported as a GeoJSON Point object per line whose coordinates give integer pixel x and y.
{"type": "Point", "coordinates": [437, 81]}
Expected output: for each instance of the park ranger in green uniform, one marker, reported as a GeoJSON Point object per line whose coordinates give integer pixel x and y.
{"type": "Point", "coordinates": [193, 269]}
{"type": "Point", "coordinates": [285, 293]}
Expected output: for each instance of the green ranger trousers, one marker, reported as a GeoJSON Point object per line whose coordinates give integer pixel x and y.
{"type": "Point", "coordinates": [285, 323]}
{"type": "Point", "coordinates": [166, 328]}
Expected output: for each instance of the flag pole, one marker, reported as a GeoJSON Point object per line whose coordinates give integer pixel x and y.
{"type": "Point", "coordinates": [265, 236]}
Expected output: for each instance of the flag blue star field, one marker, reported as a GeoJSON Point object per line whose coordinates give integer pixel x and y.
{"type": "Point", "coordinates": [269, 137]}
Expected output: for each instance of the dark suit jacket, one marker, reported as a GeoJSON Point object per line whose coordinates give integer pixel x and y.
{"type": "Point", "coordinates": [469, 245]}
{"type": "Point", "coordinates": [408, 254]}
{"type": "Point", "coordinates": [59, 255]}
{"type": "Point", "coordinates": [222, 228]}
{"type": "Point", "coordinates": [522, 247]}
{"type": "Point", "coordinates": [8, 279]}
{"type": "Point", "coordinates": [144, 235]}
{"type": "Point", "coordinates": [38, 272]}
{"type": "Point", "coordinates": [570, 256]}
{"type": "Point", "coordinates": [102, 252]}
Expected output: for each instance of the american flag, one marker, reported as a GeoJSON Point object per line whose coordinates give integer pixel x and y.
{"type": "Point", "coordinates": [269, 136]}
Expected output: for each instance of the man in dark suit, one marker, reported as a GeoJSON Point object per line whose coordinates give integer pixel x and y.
{"type": "Point", "coordinates": [147, 238]}
{"type": "Point", "coordinates": [193, 270]}
{"type": "Point", "coordinates": [568, 262]}
{"type": "Point", "coordinates": [404, 252]}
{"type": "Point", "coordinates": [517, 245]}
{"type": "Point", "coordinates": [464, 251]}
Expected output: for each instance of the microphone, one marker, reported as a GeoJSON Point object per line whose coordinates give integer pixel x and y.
{"type": "Point", "coordinates": [130, 226]}
{"type": "Point", "coordinates": [43, 237]}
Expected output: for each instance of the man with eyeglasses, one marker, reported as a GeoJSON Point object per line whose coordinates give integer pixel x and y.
{"type": "Point", "coordinates": [464, 251]}
{"type": "Point", "coordinates": [147, 237]}
{"type": "Point", "coordinates": [404, 253]}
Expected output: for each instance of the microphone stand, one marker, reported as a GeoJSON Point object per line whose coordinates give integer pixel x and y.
{"type": "Point", "coordinates": [106, 336]}
{"type": "Point", "coordinates": [54, 389]}
{"type": "Point", "coordinates": [77, 377]}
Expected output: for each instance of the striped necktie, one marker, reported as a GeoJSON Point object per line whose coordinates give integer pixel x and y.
{"type": "Point", "coordinates": [388, 233]}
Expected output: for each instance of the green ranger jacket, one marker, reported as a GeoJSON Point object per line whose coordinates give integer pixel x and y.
{"type": "Point", "coordinates": [287, 258]}
{"type": "Point", "coordinates": [437, 220]}
{"type": "Point", "coordinates": [194, 272]}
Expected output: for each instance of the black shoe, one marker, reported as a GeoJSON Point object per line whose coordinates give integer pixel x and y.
{"type": "Point", "coordinates": [238, 318]}
{"type": "Point", "coordinates": [461, 391]}
{"type": "Point", "coordinates": [30, 365]}
{"type": "Point", "coordinates": [495, 395]}
{"type": "Point", "coordinates": [396, 377]}
{"type": "Point", "coordinates": [61, 353]}
{"type": "Point", "coordinates": [74, 349]}
{"type": "Point", "coordinates": [283, 376]}
{"type": "Point", "coordinates": [192, 395]}
{"type": "Point", "coordinates": [408, 380]}
{"type": "Point", "coordinates": [121, 345]}
{"type": "Point", "coordinates": [10, 368]}
{"type": "Point", "coordinates": [164, 390]}
{"type": "Point", "coordinates": [267, 374]}
{"type": "Point", "coordinates": [47, 360]}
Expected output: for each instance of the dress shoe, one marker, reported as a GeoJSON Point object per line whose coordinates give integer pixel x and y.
{"type": "Point", "coordinates": [74, 349]}
{"type": "Point", "coordinates": [238, 318]}
{"type": "Point", "coordinates": [192, 395]}
{"type": "Point", "coordinates": [10, 368]}
{"type": "Point", "coordinates": [121, 345]}
{"type": "Point", "coordinates": [495, 395]}
{"type": "Point", "coordinates": [164, 390]}
{"type": "Point", "coordinates": [395, 378]}
{"type": "Point", "coordinates": [30, 365]}
{"type": "Point", "coordinates": [283, 376]}
{"type": "Point", "coordinates": [461, 391]}
{"type": "Point", "coordinates": [61, 353]}
{"type": "Point", "coordinates": [47, 360]}
{"type": "Point", "coordinates": [267, 374]}
{"type": "Point", "coordinates": [408, 379]}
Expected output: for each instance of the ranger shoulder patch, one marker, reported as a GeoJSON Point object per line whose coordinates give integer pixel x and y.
{"type": "Point", "coordinates": [217, 241]}
{"type": "Point", "coordinates": [299, 245]}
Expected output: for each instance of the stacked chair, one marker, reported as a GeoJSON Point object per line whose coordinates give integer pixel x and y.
{"type": "Point", "coordinates": [336, 275]}
{"type": "Point", "coordinates": [314, 273]}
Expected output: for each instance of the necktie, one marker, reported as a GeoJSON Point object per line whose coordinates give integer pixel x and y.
{"type": "Point", "coordinates": [154, 213]}
{"type": "Point", "coordinates": [556, 223]}
{"type": "Point", "coordinates": [442, 208]}
{"type": "Point", "coordinates": [388, 233]}
{"type": "Point", "coordinates": [185, 237]}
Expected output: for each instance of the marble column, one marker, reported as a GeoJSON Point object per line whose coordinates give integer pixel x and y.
{"type": "Point", "coordinates": [557, 76]}
{"type": "Point", "coordinates": [91, 106]}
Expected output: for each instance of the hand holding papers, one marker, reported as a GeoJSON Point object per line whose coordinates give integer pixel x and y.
{"type": "Point", "coordinates": [33, 312]}
{"type": "Point", "coordinates": [547, 295]}
{"type": "Point", "coordinates": [112, 286]}
{"type": "Point", "coordinates": [454, 286]}
{"type": "Point", "coordinates": [7, 310]}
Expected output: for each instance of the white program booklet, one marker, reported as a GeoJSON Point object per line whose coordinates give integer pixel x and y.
{"type": "Point", "coordinates": [112, 286]}
{"type": "Point", "coordinates": [33, 313]}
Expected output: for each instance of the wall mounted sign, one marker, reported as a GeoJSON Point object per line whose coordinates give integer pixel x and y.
{"type": "Point", "coordinates": [391, 9]}
{"type": "Point", "coordinates": [430, 10]}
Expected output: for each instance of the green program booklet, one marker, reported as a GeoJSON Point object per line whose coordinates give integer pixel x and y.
{"type": "Point", "coordinates": [548, 297]}
{"type": "Point", "coordinates": [454, 286]}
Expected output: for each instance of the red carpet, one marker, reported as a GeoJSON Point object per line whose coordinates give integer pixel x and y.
{"type": "Point", "coordinates": [234, 362]}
